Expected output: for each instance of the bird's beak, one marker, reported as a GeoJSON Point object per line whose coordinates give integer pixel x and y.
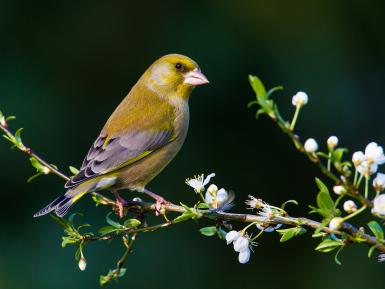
{"type": "Point", "coordinates": [195, 78]}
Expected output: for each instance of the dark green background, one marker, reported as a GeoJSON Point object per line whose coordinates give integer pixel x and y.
{"type": "Point", "coordinates": [64, 66]}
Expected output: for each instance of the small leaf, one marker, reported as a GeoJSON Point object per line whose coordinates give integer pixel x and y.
{"type": "Point", "coordinates": [371, 250]}
{"type": "Point", "coordinates": [18, 136]}
{"type": "Point", "coordinates": [107, 230]}
{"type": "Point", "coordinates": [131, 223]}
{"type": "Point", "coordinates": [287, 234]}
{"type": "Point", "coordinates": [376, 230]}
{"type": "Point", "coordinates": [73, 170]}
{"type": "Point", "coordinates": [222, 234]}
{"type": "Point", "coordinates": [257, 86]}
{"type": "Point", "coordinates": [338, 262]}
{"type": "Point", "coordinates": [208, 231]}
{"type": "Point", "coordinates": [203, 206]}
{"type": "Point", "coordinates": [274, 89]}
{"type": "Point", "coordinates": [62, 222]}
{"type": "Point", "coordinates": [329, 245]}
{"type": "Point", "coordinates": [289, 202]}
{"type": "Point", "coordinates": [324, 201]}
{"type": "Point", "coordinates": [185, 216]}
{"type": "Point", "coordinates": [112, 222]}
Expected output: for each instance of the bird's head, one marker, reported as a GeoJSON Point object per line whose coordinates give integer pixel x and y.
{"type": "Point", "coordinates": [175, 75]}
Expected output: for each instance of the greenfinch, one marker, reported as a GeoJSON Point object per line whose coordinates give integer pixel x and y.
{"type": "Point", "coordinates": [141, 137]}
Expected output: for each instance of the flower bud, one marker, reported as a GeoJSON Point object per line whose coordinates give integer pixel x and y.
{"type": "Point", "coordinates": [358, 158]}
{"type": "Point", "coordinates": [244, 256]}
{"type": "Point", "coordinates": [379, 205]}
{"type": "Point", "coordinates": [137, 199]}
{"type": "Point", "coordinates": [311, 146]}
{"type": "Point", "coordinates": [82, 264]}
{"type": "Point", "coordinates": [231, 237]}
{"type": "Point", "coordinates": [299, 99]}
{"type": "Point", "coordinates": [350, 206]}
{"type": "Point", "coordinates": [379, 182]}
{"type": "Point", "coordinates": [339, 190]}
{"type": "Point", "coordinates": [241, 244]}
{"type": "Point", "coordinates": [332, 142]}
{"type": "Point", "coordinates": [336, 223]}
{"type": "Point", "coordinates": [212, 190]}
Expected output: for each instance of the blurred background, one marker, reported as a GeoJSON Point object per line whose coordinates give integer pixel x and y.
{"type": "Point", "coordinates": [65, 66]}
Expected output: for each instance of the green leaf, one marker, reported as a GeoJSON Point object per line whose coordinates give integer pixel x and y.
{"type": "Point", "coordinates": [274, 89]}
{"type": "Point", "coordinates": [18, 136]}
{"type": "Point", "coordinates": [185, 216]}
{"type": "Point", "coordinates": [371, 250]}
{"type": "Point", "coordinates": [289, 202]}
{"type": "Point", "coordinates": [287, 234]}
{"type": "Point", "coordinates": [376, 230]}
{"type": "Point", "coordinates": [73, 170]}
{"type": "Point", "coordinates": [338, 262]}
{"type": "Point", "coordinates": [222, 234]}
{"type": "Point", "coordinates": [107, 230]}
{"type": "Point", "coordinates": [208, 231]}
{"type": "Point", "coordinates": [329, 245]}
{"type": "Point", "coordinates": [203, 206]}
{"type": "Point", "coordinates": [131, 223]}
{"type": "Point", "coordinates": [112, 222]}
{"type": "Point", "coordinates": [257, 86]}
{"type": "Point", "coordinates": [324, 201]}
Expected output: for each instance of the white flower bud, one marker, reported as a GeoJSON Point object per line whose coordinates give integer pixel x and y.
{"type": "Point", "coordinates": [336, 223]}
{"type": "Point", "coordinates": [379, 205]}
{"type": "Point", "coordinates": [137, 199]}
{"type": "Point", "coordinates": [244, 256]}
{"type": "Point", "coordinates": [212, 190]}
{"type": "Point", "coordinates": [82, 264]}
{"type": "Point", "coordinates": [231, 237]}
{"type": "Point", "coordinates": [299, 99]}
{"type": "Point", "coordinates": [339, 190]}
{"type": "Point", "coordinates": [350, 206]}
{"type": "Point", "coordinates": [358, 158]}
{"type": "Point", "coordinates": [311, 145]}
{"type": "Point", "coordinates": [379, 182]}
{"type": "Point", "coordinates": [241, 244]}
{"type": "Point", "coordinates": [332, 142]}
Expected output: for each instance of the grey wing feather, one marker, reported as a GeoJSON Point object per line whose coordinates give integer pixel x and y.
{"type": "Point", "coordinates": [104, 158]}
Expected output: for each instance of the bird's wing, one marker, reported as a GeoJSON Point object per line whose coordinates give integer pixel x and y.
{"type": "Point", "coordinates": [109, 154]}
{"type": "Point", "coordinates": [139, 126]}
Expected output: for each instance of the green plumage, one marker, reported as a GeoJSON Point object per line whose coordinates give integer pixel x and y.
{"type": "Point", "coordinates": [140, 138]}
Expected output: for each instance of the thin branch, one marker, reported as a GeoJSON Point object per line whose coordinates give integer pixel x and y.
{"type": "Point", "coordinates": [143, 207]}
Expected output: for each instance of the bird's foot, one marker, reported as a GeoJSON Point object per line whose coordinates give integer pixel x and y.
{"type": "Point", "coordinates": [159, 205]}
{"type": "Point", "coordinates": [121, 203]}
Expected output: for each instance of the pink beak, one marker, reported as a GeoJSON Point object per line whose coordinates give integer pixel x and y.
{"type": "Point", "coordinates": [195, 78]}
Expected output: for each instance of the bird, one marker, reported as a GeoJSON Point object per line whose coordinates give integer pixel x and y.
{"type": "Point", "coordinates": [140, 138]}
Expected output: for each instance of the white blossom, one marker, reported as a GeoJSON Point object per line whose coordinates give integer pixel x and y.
{"type": "Point", "coordinates": [82, 264]}
{"type": "Point", "coordinates": [332, 142]}
{"type": "Point", "coordinates": [244, 256]}
{"type": "Point", "coordinates": [381, 258]}
{"type": "Point", "coordinates": [254, 203]}
{"type": "Point", "coordinates": [350, 206]}
{"type": "Point", "coordinates": [199, 182]}
{"type": "Point", "coordinates": [311, 145]}
{"type": "Point", "coordinates": [358, 158]}
{"type": "Point", "coordinates": [367, 163]}
{"type": "Point", "coordinates": [242, 243]}
{"type": "Point", "coordinates": [336, 223]}
{"type": "Point", "coordinates": [232, 236]}
{"type": "Point", "coordinates": [374, 153]}
{"type": "Point", "coordinates": [299, 99]}
{"type": "Point", "coordinates": [379, 205]}
{"type": "Point", "coordinates": [339, 190]}
{"type": "Point", "coordinates": [216, 198]}
{"type": "Point", "coordinates": [379, 182]}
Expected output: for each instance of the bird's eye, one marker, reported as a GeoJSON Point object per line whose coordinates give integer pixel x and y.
{"type": "Point", "coordinates": [178, 66]}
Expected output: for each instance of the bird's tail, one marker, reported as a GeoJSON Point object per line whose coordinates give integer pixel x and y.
{"type": "Point", "coordinates": [62, 204]}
